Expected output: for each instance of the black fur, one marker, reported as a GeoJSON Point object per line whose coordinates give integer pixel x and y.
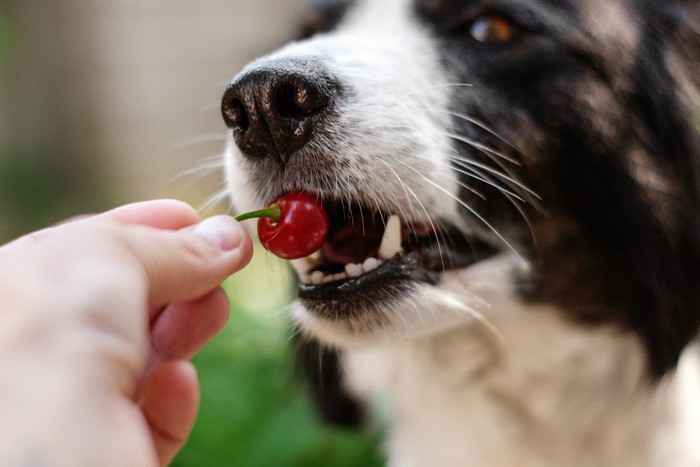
{"type": "Point", "coordinates": [608, 255]}
{"type": "Point", "coordinates": [320, 367]}
{"type": "Point", "coordinates": [322, 16]}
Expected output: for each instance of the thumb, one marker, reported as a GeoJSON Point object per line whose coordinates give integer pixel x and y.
{"type": "Point", "coordinates": [187, 264]}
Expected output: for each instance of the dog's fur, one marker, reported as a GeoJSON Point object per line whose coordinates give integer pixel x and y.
{"type": "Point", "coordinates": [571, 149]}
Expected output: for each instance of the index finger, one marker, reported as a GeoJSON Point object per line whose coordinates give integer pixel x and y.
{"type": "Point", "coordinates": [165, 214]}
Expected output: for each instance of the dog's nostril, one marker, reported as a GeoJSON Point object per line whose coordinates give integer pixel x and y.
{"type": "Point", "coordinates": [299, 101]}
{"type": "Point", "coordinates": [235, 114]}
{"type": "Point", "coordinates": [275, 107]}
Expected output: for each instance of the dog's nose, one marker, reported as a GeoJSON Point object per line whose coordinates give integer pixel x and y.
{"type": "Point", "coordinates": [272, 109]}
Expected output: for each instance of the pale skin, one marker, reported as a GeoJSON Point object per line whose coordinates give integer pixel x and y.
{"type": "Point", "coordinates": [98, 320]}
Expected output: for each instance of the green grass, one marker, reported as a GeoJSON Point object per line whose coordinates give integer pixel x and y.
{"type": "Point", "coordinates": [255, 410]}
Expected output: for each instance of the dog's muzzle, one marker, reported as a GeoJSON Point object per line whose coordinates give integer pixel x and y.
{"type": "Point", "coordinates": [275, 108]}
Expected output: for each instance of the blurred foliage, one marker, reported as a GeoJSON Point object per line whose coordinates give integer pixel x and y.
{"type": "Point", "coordinates": [36, 190]}
{"type": "Point", "coordinates": [41, 182]}
{"type": "Point", "coordinates": [255, 410]}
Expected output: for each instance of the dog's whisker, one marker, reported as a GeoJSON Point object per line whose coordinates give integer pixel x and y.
{"type": "Point", "coordinates": [379, 207]}
{"type": "Point", "coordinates": [210, 107]}
{"type": "Point", "coordinates": [200, 171]}
{"type": "Point", "coordinates": [528, 194]}
{"type": "Point", "coordinates": [475, 122]}
{"type": "Point", "coordinates": [430, 219]}
{"type": "Point", "coordinates": [434, 86]}
{"type": "Point", "coordinates": [468, 172]}
{"type": "Point", "coordinates": [362, 221]}
{"type": "Point", "coordinates": [485, 322]}
{"type": "Point", "coordinates": [489, 152]}
{"type": "Point", "coordinates": [208, 138]}
{"type": "Point", "coordinates": [482, 147]}
{"type": "Point", "coordinates": [404, 322]}
{"type": "Point", "coordinates": [476, 175]}
{"type": "Point", "coordinates": [531, 197]}
{"type": "Point", "coordinates": [518, 206]}
{"type": "Point", "coordinates": [465, 161]}
{"type": "Point", "coordinates": [471, 210]}
{"type": "Point", "coordinates": [295, 332]}
{"type": "Point", "coordinates": [214, 200]}
{"type": "Point", "coordinates": [403, 187]}
{"type": "Point", "coordinates": [337, 187]}
{"type": "Point", "coordinates": [396, 206]}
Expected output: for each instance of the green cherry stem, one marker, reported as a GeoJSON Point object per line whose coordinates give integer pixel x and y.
{"type": "Point", "coordinates": [273, 211]}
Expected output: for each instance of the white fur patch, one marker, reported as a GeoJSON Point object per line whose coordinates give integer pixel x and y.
{"type": "Point", "coordinates": [527, 388]}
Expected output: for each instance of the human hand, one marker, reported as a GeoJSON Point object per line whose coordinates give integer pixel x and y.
{"type": "Point", "coordinates": [97, 319]}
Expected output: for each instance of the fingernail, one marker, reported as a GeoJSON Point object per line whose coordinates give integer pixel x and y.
{"type": "Point", "coordinates": [222, 231]}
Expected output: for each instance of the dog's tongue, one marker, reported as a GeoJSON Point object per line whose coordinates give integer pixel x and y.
{"type": "Point", "coordinates": [350, 244]}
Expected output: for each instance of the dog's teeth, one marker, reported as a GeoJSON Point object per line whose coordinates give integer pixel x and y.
{"type": "Point", "coordinates": [371, 263]}
{"type": "Point", "coordinates": [340, 276]}
{"type": "Point", "coordinates": [353, 270]}
{"type": "Point", "coordinates": [391, 241]}
{"type": "Point", "coordinates": [317, 277]}
{"type": "Point", "coordinates": [313, 258]}
{"type": "Point", "coordinates": [302, 266]}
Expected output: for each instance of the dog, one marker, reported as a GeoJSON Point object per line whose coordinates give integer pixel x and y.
{"type": "Point", "coordinates": [513, 194]}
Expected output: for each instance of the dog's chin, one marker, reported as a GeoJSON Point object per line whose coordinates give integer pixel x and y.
{"type": "Point", "coordinates": [398, 300]}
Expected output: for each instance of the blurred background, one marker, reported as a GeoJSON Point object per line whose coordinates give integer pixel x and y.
{"type": "Point", "coordinates": [111, 101]}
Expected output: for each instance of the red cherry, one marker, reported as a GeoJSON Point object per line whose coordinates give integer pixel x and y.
{"type": "Point", "coordinates": [292, 226]}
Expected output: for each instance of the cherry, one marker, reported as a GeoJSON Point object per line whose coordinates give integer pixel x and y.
{"type": "Point", "coordinates": [292, 226]}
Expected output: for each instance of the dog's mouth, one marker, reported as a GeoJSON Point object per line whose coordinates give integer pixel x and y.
{"type": "Point", "coordinates": [366, 249]}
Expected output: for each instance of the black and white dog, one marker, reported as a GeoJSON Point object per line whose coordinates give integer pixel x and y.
{"type": "Point", "coordinates": [513, 188]}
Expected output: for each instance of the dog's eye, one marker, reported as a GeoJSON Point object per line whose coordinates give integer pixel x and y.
{"type": "Point", "coordinates": [493, 29]}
